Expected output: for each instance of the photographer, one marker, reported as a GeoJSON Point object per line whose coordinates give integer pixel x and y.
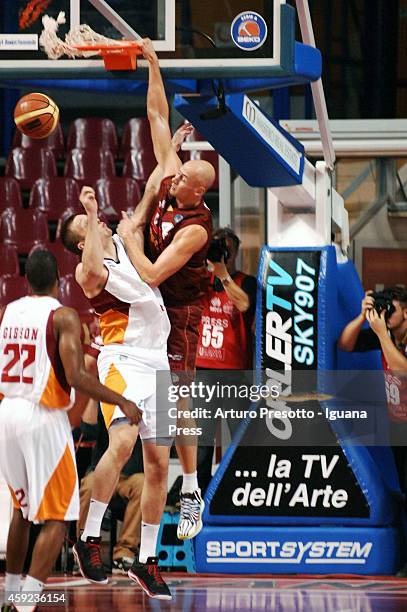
{"type": "Point", "coordinates": [226, 332]}
{"type": "Point", "coordinates": [386, 313]}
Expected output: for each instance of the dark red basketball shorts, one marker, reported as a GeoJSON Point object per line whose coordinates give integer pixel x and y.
{"type": "Point", "coordinates": [183, 340]}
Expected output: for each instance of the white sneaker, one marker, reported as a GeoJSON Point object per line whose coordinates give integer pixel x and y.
{"type": "Point", "coordinates": [190, 520]}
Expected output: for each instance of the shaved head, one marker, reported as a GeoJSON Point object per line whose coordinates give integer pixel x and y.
{"type": "Point", "coordinates": [192, 181]}
{"type": "Point", "coordinates": [202, 171]}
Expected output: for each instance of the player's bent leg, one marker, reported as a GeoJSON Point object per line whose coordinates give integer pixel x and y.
{"type": "Point", "coordinates": [145, 570]}
{"type": "Point", "coordinates": [122, 438]}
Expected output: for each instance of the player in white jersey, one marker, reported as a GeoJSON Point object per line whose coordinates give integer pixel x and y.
{"type": "Point", "coordinates": [134, 326]}
{"type": "Point", "coordinates": [41, 358]}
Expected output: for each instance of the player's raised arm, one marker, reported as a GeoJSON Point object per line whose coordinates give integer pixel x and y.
{"type": "Point", "coordinates": [91, 274]}
{"type": "Point", "coordinates": [67, 329]}
{"type": "Point", "coordinates": [158, 114]}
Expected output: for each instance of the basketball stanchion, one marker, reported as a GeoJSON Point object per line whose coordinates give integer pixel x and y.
{"type": "Point", "coordinates": [173, 553]}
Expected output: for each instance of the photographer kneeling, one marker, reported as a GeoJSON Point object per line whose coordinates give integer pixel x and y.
{"type": "Point", "coordinates": [386, 313]}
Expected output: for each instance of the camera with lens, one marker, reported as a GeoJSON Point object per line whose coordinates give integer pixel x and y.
{"type": "Point", "coordinates": [383, 300]}
{"type": "Point", "coordinates": [218, 249]}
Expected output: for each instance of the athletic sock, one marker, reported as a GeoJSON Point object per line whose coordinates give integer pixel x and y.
{"type": "Point", "coordinates": [190, 482]}
{"type": "Point", "coordinates": [148, 544]}
{"type": "Point", "coordinates": [13, 583]}
{"type": "Point", "coordinates": [31, 585]}
{"type": "Point", "coordinates": [94, 519]}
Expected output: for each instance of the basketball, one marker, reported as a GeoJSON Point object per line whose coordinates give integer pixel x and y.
{"type": "Point", "coordinates": [36, 115]}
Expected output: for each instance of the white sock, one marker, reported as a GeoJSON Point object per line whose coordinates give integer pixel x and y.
{"type": "Point", "coordinates": [189, 482]}
{"type": "Point", "coordinates": [148, 544]}
{"type": "Point", "coordinates": [31, 585]}
{"type": "Point", "coordinates": [94, 519]}
{"type": "Point", "coordinates": [12, 584]}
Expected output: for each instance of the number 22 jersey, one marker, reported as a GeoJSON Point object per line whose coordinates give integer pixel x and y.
{"type": "Point", "coordinates": [30, 364]}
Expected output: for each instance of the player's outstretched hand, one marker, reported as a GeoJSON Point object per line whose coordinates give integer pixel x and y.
{"type": "Point", "coordinates": [88, 200]}
{"type": "Point", "coordinates": [132, 412]}
{"type": "Point", "coordinates": [148, 50]}
{"type": "Point", "coordinates": [126, 228]}
{"type": "Point", "coordinates": [179, 136]}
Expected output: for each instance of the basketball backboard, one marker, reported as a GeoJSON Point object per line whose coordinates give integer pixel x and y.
{"type": "Point", "coordinates": [197, 39]}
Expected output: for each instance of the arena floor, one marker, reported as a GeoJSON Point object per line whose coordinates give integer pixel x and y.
{"type": "Point", "coordinates": [196, 593]}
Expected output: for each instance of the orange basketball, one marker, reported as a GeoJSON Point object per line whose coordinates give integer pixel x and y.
{"type": "Point", "coordinates": [36, 115]}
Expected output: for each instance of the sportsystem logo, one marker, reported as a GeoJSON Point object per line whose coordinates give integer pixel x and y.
{"type": "Point", "coordinates": [248, 31]}
{"type": "Point", "coordinates": [291, 553]}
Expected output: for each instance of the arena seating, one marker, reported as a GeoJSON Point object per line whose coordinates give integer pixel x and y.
{"type": "Point", "coordinates": [136, 135]}
{"type": "Point", "coordinates": [28, 165]}
{"type": "Point", "coordinates": [54, 196]}
{"type": "Point", "coordinates": [88, 165]}
{"type": "Point", "coordinates": [14, 224]}
{"type": "Point", "coordinates": [9, 260]}
{"type": "Point", "coordinates": [139, 164]}
{"type": "Point", "coordinates": [67, 261]}
{"type": "Point", "coordinates": [72, 295]}
{"type": "Point", "coordinates": [12, 288]}
{"type": "Point", "coordinates": [117, 194]}
{"type": "Point", "coordinates": [93, 133]}
{"type": "Point", "coordinates": [54, 141]}
{"type": "Point", "coordinates": [10, 194]}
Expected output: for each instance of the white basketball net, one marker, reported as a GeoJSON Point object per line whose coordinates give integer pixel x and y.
{"type": "Point", "coordinates": [55, 47]}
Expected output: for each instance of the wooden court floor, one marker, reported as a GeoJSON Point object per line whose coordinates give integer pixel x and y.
{"type": "Point", "coordinates": [196, 593]}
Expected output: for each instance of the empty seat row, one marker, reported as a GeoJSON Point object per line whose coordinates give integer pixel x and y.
{"type": "Point", "coordinates": [92, 132]}
{"type": "Point", "coordinates": [56, 195]}
{"type": "Point", "coordinates": [86, 165]}
{"type": "Point", "coordinates": [9, 263]}
{"type": "Point", "coordinates": [70, 294]}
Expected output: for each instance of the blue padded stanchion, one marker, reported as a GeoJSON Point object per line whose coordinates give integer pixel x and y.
{"type": "Point", "coordinates": [314, 495]}
{"type": "Point", "coordinates": [172, 552]}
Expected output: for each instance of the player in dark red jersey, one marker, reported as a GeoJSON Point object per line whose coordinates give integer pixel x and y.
{"type": "Point", "coordinates": [177, 244]}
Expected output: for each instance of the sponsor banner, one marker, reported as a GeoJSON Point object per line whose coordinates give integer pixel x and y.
{"type": "Point", "coordinates": [18, 42]}
{"type": "Point", "coordinates": [296, 549]}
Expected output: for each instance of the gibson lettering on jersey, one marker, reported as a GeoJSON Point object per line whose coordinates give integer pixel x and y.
{"type": "Point", "coordinates": [20, 333]}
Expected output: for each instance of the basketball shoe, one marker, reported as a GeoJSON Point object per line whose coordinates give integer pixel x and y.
{"type": "Point", "coordinates": [190, 520]}
{"type": "Point", "coordinates": [89, 559]}
{"type": "Point", "coordinates": [147, 575]}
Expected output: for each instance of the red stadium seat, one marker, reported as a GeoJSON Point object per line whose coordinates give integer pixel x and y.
{"type": "Point", "coordinates": [54, 196]}
{"type": "Point", "coordinates": [94, 133]}
{"type": "Point", "coordinates": [9, 260]}
{"type": "Point", "coordinates": [67, 261]}
{"type": "Point", "coordinates": [28, 165]}
{"type": "Point", "coordinates": [139, 165]}
{"type": "Point", "coordinates": [23, 228]}
{"type": "Point", "coordinates": [89, 165]}
{"type": "Point", "coordinates": [136, 135]}
{"type": "Point", "coordinates": [54, 141]}
{"type": "Point", "coordinates": [117, 194]}
{"type": "Point", "coordinates": [72, 295]}
{"type": "Point", "coordinates": [12, 288]}
{"type": "Point", "coordinates": [10, 194]}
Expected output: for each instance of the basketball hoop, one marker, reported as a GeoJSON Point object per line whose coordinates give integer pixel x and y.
{"type": "Point", "coordinates": [122, 56]}
{"type": "Point", "coordinates": [82, 41]}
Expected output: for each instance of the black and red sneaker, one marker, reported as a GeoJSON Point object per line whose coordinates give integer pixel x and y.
{"type": "Point", "coordinates": [89, 559]}
{"type": "Point", "coordinates": [148, 576]}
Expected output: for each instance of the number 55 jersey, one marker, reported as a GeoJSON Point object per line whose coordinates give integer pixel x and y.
{"type": "Point", "coordinates": [30, 364]}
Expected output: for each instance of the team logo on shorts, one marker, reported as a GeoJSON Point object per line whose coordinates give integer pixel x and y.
{"type": "Point", "coordinates": [248, 31]}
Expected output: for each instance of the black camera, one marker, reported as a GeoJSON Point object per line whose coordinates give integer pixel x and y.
{"type": "Point", "coordinates": [383, 300]}
{"type": "Point", "coordinates": [218, 249]}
